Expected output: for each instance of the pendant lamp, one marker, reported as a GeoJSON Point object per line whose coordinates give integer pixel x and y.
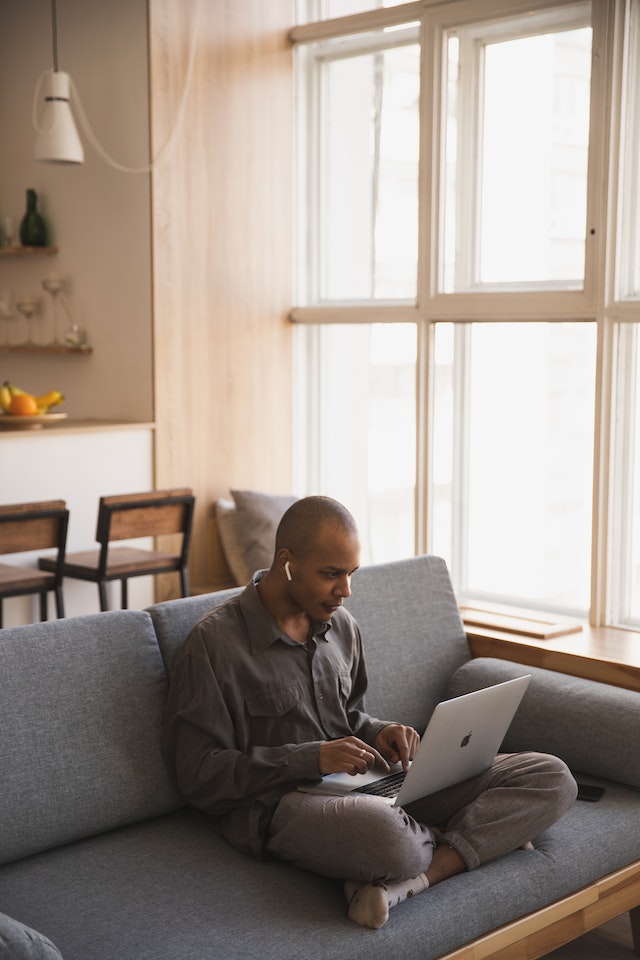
{"type": "Point", "coordinates": [57, 139]}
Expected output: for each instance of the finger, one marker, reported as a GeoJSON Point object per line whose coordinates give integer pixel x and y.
{"type": "Point", "coordinates": [367, 758]}
{"type": "Point", "coordinates": [378, 760]}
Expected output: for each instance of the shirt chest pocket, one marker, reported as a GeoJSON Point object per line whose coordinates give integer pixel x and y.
{"type": "Point", "coordinates": [273, 702]}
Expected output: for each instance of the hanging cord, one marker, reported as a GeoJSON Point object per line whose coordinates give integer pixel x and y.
{"type": "Point", "coordinates": [54, 35]}
{"type": "Point", "coordinates": [84, 120]}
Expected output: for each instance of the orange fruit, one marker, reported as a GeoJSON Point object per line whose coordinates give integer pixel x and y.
{"type": "Point", "coordinates": [24, 405]}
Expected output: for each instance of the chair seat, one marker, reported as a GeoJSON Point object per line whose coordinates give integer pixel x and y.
{"type": "Point", "coordinates": [24, 579]}
{"type": "Point", "coordinates": [121, 562]}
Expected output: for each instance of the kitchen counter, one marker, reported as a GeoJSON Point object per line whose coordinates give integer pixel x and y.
{"type": "Point", "coordinates": [68, 426]}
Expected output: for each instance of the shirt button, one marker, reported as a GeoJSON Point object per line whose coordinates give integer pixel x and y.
{"type": "Point", "coordinates": [321, 696]}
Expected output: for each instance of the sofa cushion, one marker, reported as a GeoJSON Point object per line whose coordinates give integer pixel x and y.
{"type": "Point", "coordinates": [171, 889]}
{"type": "Point", "coordinates": [257, 519]}
{"type": "Point", "coordinates": [592, 726]}
{"type": "Point", "coordinates": [232, 545]}
{"type": "Point", "coordinates": [174, 619]}
{"type": "Point", "coordinates": [411, 629]}
{"type": "Point", "coordinates": [80, 722]}
{"type": "Point", "coordinates": [427, 645]}
{"type": "Point", "coordinates": [18, 942]}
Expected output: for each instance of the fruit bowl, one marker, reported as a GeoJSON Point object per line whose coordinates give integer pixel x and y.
{"type": "Point", "coordinates": [14, 421]}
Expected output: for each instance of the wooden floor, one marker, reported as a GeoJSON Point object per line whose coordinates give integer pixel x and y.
{"type": "Point", "coordinates": [612, 941]}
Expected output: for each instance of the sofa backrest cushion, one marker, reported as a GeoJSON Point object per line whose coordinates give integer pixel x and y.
{"type": "Point", "coordinates": [592, 726]}
{"type": "Point", "coordinates": [174, 619]}
{"type": "Point", "coordinates": [80, 723]}
{"type": "Point", "coordinates": [412, 633]}
{"type": "Point", "coordinates": [411, 628]}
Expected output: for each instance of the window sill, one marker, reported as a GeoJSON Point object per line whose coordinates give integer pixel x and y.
{"type": "Point", "coordinates": [607, 654]}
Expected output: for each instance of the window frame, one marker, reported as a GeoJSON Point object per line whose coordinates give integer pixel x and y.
{"type": "Point", "coordinates": [599, 301]}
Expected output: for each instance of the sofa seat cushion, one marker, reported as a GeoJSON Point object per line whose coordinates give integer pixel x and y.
{"type": "Point", "coordinates": [171, 888]}
{"type": "Point", "coordinates": [18, 942]}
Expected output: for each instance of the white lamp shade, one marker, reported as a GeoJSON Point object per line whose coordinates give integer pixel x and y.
{"type": "Point", "coordinates": [57, 140]}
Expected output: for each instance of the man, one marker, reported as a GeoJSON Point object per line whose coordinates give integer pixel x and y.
{"type": "Point", "coordinates": [267, 693]}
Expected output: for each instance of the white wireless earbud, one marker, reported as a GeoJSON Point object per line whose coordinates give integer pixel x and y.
{"type": "Point", "coordinates": [287, 571]}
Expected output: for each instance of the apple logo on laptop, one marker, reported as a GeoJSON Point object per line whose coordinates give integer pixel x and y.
{"type": "Point", "coordinates": [465, 740]}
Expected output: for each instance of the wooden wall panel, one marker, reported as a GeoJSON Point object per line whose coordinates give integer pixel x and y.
{"type": "Point", "coordinates": [222, 255]}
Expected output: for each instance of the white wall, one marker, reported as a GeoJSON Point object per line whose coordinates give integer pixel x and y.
{"type": "Point", "coordinates": [79, 467]}
{"type": "Point", "coordinates": [99, 218]}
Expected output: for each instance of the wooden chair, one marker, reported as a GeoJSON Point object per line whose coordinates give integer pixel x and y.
{"type": "Point", "coordinates": [129, 517]}
{"type": "Point", "coordinates": [33, 526]}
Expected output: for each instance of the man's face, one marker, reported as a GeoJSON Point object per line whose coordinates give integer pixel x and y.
{"type": "Point", "coordinates": [321, 579]}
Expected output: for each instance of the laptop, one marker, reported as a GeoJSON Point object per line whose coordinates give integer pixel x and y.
{"type": "Point", "coordinates": [461, 740]}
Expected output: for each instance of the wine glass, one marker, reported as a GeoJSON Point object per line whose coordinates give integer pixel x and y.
{"type": "Point", "coordinates": [6, 310]}
{"type": "Point", "coordinates": [28, 307]}
{"type": "Point", "coordinates": [10, 230]}
{"type": "Point", "coordinates": [53, 284]}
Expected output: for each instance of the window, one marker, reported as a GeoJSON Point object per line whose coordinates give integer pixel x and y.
{"type": "Point", "coordinates": [363, 230]}
{"type": "Point", "coordinates": [469, 291]}
{"type": "Point", "coordinates": [513, 454]}
{"type": "Point", "coordinates": [517, 137]}
{"type": "Point", "coordinates": [362, 433]}
{"type": "Point", "coordinates": [629, 257]}
{"type": "Point", "coordinates": [310, 10]}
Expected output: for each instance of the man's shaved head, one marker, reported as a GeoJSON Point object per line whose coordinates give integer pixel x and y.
{"type": "Point", "coordinates": [298, 529]}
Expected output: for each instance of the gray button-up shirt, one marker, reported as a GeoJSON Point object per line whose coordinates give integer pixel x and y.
{"type": "Point", "coordinates": [248, 709]}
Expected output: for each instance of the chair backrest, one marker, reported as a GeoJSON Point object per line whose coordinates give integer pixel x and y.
{"type": "Point", "coordinates": [151, 514]}
{"type": "Point", "coordinates": [33, 526]}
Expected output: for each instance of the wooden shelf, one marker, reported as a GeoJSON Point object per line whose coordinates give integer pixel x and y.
{"type": "Point", "coordinates": [45, 348]}
{"type": "Point", "coordinates": [27, 251]}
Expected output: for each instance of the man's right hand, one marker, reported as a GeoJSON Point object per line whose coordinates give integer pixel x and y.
{"type": "Point", "coordinates": [349, 755]}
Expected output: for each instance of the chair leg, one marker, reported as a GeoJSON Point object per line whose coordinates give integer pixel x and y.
{"type": "Point", "coordinates": [184, 582]}
{"type": "Point", "coordinates": [59, 603]}
{"type": "Point", "coordinates": [44, 612]}
{"type": "Point", "coordinates": [102, 590]}
{"type": "Point", "coordinates": [124, 594]}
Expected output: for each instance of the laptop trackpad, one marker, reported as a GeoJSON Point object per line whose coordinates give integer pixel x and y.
{"type": "Point", "coordinates": [338, 784]}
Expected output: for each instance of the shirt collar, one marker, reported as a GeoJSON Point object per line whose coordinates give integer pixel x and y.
{"type": "Point", "coordinates": [262, 629]}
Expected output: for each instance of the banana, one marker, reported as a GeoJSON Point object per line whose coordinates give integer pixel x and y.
{"type": "Point", "coordinates": [46, 400]}
{"type": "Point", "coordinates": [50, 399]}
{"type": "Point", "coordinates": [13, 389]}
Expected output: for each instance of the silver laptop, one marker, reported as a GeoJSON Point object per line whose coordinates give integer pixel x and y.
{"type": "Point", "coordinates": [461, 741]}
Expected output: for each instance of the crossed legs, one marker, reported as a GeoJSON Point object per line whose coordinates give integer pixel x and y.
{"type": "Point", "coordinates": [388, 854]}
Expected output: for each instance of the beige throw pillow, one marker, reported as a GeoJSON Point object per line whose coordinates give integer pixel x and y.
{"type": "Point", "coordinates": [257, 519]}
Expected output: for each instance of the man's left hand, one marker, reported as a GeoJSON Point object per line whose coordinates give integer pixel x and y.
{"type": "Point", "coordinates": [398, 743]}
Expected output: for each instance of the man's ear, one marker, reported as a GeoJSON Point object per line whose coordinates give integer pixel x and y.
{"type": "Point", "coordinates": [282, 563]}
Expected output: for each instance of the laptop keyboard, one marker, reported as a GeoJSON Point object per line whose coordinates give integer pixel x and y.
{"type": "Point", "coordinates": [385, 787]}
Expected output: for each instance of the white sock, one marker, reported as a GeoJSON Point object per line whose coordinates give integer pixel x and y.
{"type": "Point", "coordinates": [369, 903]}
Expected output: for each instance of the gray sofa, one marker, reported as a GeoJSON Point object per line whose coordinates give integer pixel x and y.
{"type": "Point", "coordinates": [100, 856]}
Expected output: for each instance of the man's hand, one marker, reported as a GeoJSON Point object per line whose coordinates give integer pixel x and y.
{"type": "Point", "coordinates": [398, 743]}
{"type": "Point", "coordinates": [349, 755]}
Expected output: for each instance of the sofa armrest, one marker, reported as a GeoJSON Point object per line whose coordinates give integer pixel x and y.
{"type": "Point", "coordinates": [592, 726]}
{"type": "Point", "coordinates": [20, 942]}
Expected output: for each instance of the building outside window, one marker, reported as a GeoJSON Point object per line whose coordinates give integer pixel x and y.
{"type": "Point", "coordinates": [468, 290]}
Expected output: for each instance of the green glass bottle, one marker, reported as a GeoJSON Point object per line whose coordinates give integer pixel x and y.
{"type": "Point", "coordinates": [33, 232]}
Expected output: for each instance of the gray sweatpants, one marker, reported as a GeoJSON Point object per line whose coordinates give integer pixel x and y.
{"type": "Point", "coordinates": [362, 838]}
